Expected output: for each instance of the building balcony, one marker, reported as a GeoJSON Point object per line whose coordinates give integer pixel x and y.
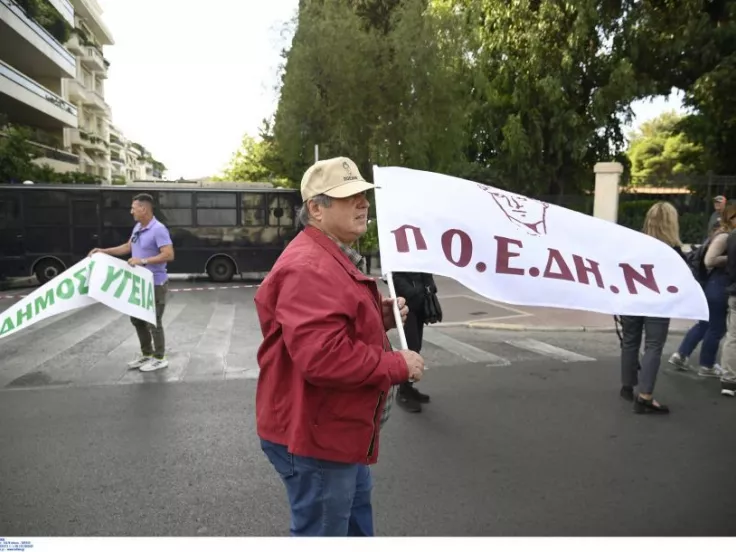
{"type": "Point", "coordinates": [59, 160]}
{"type": "Point", "coordinates": [77, 137]}
{"type": "Point", "coordinates": [102, 162]}
{"type": "Point", "coordinates": [65, 8]}
{"type": "Point", "coordinates": [93, 60]}
{"type": "Point", "coordinates": [89, 141]}
{"type": "Point", "coordinates": [95, 144]}
{"type": "Point", "coordinates": [96, 102]}
{"type": "Point", "coordinates": [30, 48]}
{"type": "Point", "coordinates": [76, 92]}
{"type": "Point", "coordinates": [29, 103]}
{"type": "Point", "coordinates": [75, 45]}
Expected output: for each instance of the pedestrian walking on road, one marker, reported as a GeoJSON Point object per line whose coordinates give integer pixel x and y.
{"type": "Point", "coordinates": [661, 222]}
{"type": "Point", "coordinates": [711, 331]}
{"type": "Point", "coordinates": [326, 365]}
{"type": "Point", "coordinates": [151, 247]}
{"type": "Point", "coordinates": [420, 292]}
{"type": "Point", "coordinates": [728, 355]}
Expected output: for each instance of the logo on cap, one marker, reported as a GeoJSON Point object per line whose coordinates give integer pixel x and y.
{"type": "Point", "coordinates": [349, 172]}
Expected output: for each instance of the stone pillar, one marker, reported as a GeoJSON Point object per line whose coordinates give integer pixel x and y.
{"type": "Point", "coordinates": [607, 180]}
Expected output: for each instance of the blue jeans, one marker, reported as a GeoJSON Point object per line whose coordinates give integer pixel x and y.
{"type": "Point", "coordinates": [327, 499]}
{"type": "Point", "coordinates": [710, 332]}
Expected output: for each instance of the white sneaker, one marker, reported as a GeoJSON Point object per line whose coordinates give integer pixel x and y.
{"type": "Point", "coordinates": [714, 372]}
{"type": "Point", "coordinates": [142, 361]}
{"type": "Point", "coordinates": [678, 361]}
{"type": "Point", "coordinates": [155, 364]}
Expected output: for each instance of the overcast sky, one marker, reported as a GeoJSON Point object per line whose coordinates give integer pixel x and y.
{"type": "Point", "coordinates": [188, 79]}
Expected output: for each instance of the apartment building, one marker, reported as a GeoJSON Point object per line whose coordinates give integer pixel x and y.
{"type": "Point", "coordinates": [130, 161]}
{"type": "Point", "coordinates": [52, 80]}
{"type": "Point", "coordinates": [90, 140]}
{"type": "Point", "coordinates": [33, 66]}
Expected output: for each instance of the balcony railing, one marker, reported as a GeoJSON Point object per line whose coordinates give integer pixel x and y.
{"type": "Point", "coordinates": [35, 88]}
{"type": "Point", "coordinates": [42, 33]}
{"type": "Point", "coordinates": [52, 153]}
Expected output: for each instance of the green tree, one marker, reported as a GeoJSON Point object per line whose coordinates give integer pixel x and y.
{"type": "Point", "coordinates": [373, 81]}
{"type": "Point", "coordinates": [421, 120]}
{"type": "Point", "coordinates": [248, 163]}
{"type": "Point", "coordinates": [16, 154]}
{"type": "Point", "coordinates": [660, 149]}
{"type": "Point", "coordinates": [527, 94]}
{"type": "Point", "coordinates": [549, 92]}
{"type": "Point", "coordinates": [329, 89]}
{"type": "Point", "coordinates": [690, 45]}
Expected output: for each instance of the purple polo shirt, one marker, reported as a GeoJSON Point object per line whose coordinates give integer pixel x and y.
{"type": "Point", "coordinates": [147, 242]}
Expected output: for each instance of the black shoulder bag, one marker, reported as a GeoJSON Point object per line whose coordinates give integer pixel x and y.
{"type": "Point", "coordinates": [432, 308]}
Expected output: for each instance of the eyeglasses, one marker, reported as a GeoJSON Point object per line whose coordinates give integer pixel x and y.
{"type": "Point", "coordinates": [135, 237]}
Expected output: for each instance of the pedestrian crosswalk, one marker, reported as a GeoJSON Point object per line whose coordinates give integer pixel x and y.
{"type": "Point", "coordinates": [210, 337]}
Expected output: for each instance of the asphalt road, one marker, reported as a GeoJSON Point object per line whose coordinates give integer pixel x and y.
{"type": "Point", "coordinates": [525, 435]}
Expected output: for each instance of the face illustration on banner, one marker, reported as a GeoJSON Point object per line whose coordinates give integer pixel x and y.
{"type": "Point", "coordinates": [528, 214]}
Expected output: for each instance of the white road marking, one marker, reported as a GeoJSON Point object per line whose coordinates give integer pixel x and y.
{"type": "Point", "coordinates": [461, 349]}
{"type": "Point", "coordinates": [216, 338]}
{"type": "Point", "coordinates": [548, 350]}
{"type": "Point", "coordinates": [42, 350]}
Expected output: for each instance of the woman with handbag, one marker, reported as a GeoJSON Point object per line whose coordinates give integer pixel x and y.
{"type": "Point", "coordinates": [420, 292]}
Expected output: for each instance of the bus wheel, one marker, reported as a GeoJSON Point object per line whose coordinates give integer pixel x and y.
{"type": "Point", "coordinates": [47, 269]}
{"type": "Point", "coordinates": [221, 269]}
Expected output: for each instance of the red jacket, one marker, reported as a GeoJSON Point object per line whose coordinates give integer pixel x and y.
{"type": "Point", "coordinates": [325, 370]}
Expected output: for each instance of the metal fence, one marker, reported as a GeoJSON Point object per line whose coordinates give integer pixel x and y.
{"type": "Point", "coordinates": [692, 196]}
{"type": "Point", "coordinates": [582, 203]}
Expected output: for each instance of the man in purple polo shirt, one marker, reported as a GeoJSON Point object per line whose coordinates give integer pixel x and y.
{"type": "Point", "coordinates": [150, 245]}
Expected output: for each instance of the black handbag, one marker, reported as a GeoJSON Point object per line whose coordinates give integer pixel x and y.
{"type": "Point", "coordinates": [432, 307]}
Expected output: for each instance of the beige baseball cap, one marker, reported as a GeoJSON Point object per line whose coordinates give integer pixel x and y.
{"type": "Point", "coordinates": [337, 177]}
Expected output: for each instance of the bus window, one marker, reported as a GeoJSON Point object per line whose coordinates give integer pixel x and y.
{"type": "Point", "coordinates": [116, 209]}
{"type": "Point", "coordinates": [254, 209]}
{"type": "Point", "coordinates": [11, 224]}
{"type": "Point", "coordinates": [175, 208]}
{"type": "Point", "coordinates": [216, 209]}
{"type": "Point", "coordinates": [47, 240]}
{"type": "Point", "coordinates": [84, 214]}
{"type": "Point", "coordinates": [281, 210]}
{"type": "Point", "coordinates": [10, 211]}
{"type": "Point", "coordinates": [46, 208]}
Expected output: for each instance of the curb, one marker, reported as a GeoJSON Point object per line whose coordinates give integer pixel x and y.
{"type": "Point", "coordinates": [524, 328]}
{"type": "Point", "coordinates": [17, 283]}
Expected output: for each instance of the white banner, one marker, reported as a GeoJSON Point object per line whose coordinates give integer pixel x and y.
{"type": "Point", "coordinates": [100, 278]}
{"type": "Point", "coordinates": [517, 250]}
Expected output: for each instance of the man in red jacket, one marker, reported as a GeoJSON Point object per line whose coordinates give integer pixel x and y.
{"type": "Point", "coordinates": [326, 363]}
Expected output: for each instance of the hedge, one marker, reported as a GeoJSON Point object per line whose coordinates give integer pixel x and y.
{"type": "Point", "coordinates": [693, 226]}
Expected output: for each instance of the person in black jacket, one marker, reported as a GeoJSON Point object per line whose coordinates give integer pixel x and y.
{"type": "Point", "coordinates": [414, 287]}
{"type": "Point", "coordinates": [728, 355]}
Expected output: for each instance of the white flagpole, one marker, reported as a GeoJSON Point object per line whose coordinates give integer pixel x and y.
{"type": "Point", "coordinates": [397, 313]}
